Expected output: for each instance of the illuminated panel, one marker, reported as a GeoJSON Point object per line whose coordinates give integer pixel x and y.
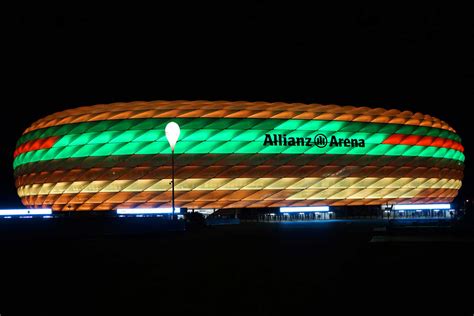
{"type": "Point", "coordinates": [16, 212]}
{"type": "Point", "coordinates": [422, 206]}
{"type": "Point", "coordinates": [42, 143]}
{"type": "Point", "coordinates": [423, 141]}
{"type": "Point", "coordinates": [236, 155]}
{"type": "Point", "coordinates": [163, 210]}
{"type": "Point", "coordinates": [304, 209]}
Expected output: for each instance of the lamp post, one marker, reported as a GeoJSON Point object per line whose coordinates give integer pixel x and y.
{"type": "Point", "coordinates": [172, 134]}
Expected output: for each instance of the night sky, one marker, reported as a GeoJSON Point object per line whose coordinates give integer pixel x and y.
{"type": "Point", "coordinates": [409, 58]}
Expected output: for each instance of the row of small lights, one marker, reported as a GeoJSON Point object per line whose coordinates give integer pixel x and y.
{"type": "Point", "coordinates": [169, 210]}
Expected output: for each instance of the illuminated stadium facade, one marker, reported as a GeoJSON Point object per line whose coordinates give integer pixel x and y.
{"type": "Point", "coordinates": [236, 155]}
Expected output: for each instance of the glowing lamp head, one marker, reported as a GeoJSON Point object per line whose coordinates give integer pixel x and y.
{"type": "Point", "coordinates": [172, 134]}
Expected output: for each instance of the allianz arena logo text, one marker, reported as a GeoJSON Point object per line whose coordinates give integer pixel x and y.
{"type": "Point", "coordinates": [320, 140]}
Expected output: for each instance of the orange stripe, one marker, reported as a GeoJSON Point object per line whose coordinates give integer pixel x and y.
{"type": "Point", "coordinates": [236, 109]}
{"type": "Point", "coordinates": [401, 139]}
{"type": "Point", "coordinates": [42, 143]}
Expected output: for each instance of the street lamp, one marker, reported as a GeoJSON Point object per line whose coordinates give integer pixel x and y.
{"type": "Point", "coordinates": [172, 134]}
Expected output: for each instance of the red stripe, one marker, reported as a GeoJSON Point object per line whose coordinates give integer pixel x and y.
{"type": "Point", "coordinates": [42, 143]}
{"type": "Point", "coordinates": [401, 139]}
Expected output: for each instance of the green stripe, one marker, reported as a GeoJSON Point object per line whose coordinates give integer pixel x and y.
{"type": "Point", "coordinates": [236, 124]}
{"type": "Point", "coordinates": [220, 136]}
{"type": "Point", "coordinates": [229, 148]}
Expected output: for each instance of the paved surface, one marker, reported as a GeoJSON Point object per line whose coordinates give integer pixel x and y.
{"type": "Point", "coordinates": [300, 268]}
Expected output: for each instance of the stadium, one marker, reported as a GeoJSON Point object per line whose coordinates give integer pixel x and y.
{"type": "Point", "coordinates": [236, 155]}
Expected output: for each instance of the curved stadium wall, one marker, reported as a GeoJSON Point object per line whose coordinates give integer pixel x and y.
{"type": "Point", "coordinates": [236, 155]}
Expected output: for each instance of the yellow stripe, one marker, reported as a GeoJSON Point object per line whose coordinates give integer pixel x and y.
{"type": "Point", "coordinates": [310, 188]}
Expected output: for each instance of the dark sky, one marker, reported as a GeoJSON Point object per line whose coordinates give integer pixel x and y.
{"type": "Point", "coordinates": [409, 58]}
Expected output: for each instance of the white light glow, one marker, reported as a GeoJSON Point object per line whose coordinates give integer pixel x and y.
{"type": "Point", "coordinates": [172, 134]}
{"type": "Point", "coordinates": [33, 211]}
{"type": "Point", "coordinates": [421, 206]}
{"type": "Point", "coordinates": [204, 211]}
{"type": "Point", "coordinates": [161, 210]}
{"type": "Point", "coordinates": [304, 209]}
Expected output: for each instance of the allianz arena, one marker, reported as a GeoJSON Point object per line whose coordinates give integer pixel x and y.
{"type": "Point", "coordinates": [236, 155]}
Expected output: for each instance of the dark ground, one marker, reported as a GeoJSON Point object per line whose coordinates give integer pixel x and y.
{"type": "Point", "coordinates": [249, 269]}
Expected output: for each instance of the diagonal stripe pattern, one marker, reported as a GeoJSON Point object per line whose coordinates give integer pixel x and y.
{"type": "Point", "coordinates": [236, 154]}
